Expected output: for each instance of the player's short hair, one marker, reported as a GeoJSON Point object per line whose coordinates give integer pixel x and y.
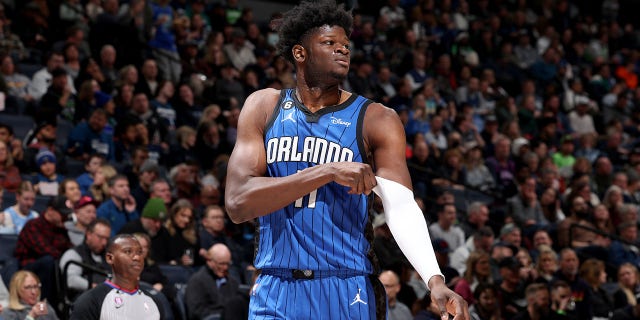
{"type": "Point", "coordinates": [305, 18]}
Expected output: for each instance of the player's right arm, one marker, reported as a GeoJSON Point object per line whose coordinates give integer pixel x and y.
{"type": "Point", "coordinates": [249, 194]}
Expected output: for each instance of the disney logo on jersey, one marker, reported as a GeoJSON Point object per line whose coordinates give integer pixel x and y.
{"type": "Point", "coordinates": [335, 120]}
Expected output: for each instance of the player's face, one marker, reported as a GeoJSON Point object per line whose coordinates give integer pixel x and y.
{"type": "Point", "coordinates": [329, 54]}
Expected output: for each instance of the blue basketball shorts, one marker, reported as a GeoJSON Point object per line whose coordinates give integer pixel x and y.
{"type": "Point", "coordinates": [333, 297]}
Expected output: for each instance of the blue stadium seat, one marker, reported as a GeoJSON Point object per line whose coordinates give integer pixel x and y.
{"type": "Point", "coordinates": [41, 203]}
{"type": "Point", "coordinates": [62, 132]}
{"type": "Point", "coordinates": [180, 302]}
{"type": "Point", "coordinates": [8, 264]}
{"type": "Point", "coordinates": [176, 274]}
{"type": "Point", "coordinates": [8, 199]}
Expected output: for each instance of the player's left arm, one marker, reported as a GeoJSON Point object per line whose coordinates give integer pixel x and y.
{"type": "Point", "coordinates": [385, 139]}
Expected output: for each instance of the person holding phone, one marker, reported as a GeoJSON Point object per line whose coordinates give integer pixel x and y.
{"type": "Point", "coordinates": [24, 299]}
{"type": "Point", "coordinates": [121, 207]}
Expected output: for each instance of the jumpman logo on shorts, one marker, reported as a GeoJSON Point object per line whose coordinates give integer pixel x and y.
{"type": "Point", "coordinates": [357, 299]}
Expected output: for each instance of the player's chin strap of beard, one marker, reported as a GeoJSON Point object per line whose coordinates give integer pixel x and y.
{"type": "Point", "coordinates": [408, 226]}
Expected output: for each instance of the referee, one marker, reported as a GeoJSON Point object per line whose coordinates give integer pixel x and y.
{"type": "Point", "coordinates": [119, 297]}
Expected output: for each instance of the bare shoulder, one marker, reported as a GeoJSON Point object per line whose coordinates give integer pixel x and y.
{"type": "Point", "coordinates": [259, 105]}
{"type": "Point", "coordinates": [382, 126]}
{"type": "Point", "coordinates": [379, 112]}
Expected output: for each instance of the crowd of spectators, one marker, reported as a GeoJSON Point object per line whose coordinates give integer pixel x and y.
{"type": "Point", "coordinates": [521, 120]}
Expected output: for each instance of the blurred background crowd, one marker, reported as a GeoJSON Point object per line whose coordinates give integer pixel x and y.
{"type": "Point", "coordinates": [522, 120]}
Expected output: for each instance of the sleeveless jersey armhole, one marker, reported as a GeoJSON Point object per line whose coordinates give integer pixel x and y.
{"type": "Point", "coordinates": [276, 110]}
{"type": "Point", "coordinates": [360, 136]}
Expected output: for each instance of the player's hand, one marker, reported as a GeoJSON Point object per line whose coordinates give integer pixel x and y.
{"type": "Point", "coordinates": [449, 302]}
{"type": "Point", "coordinates": [358, 177]}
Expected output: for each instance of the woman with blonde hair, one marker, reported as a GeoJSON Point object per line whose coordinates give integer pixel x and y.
{"type": "Point", "coordinates": [182, 231]}
{"type": "Point", "coordinates": [99, 190]}
{"type": "Point", "coordinates": [547, 264]}
{"type": "Point", "coordinates": [24, 299]}
{"type": "Point", "coordinates": [478, 271]}
{"type": "Point", "coordinates": [17, 215]}
{"type": "Point", "coordinates": [629, 286]}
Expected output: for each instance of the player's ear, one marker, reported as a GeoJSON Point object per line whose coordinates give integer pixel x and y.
{"type": "Point", "coordinates": [298, 52]}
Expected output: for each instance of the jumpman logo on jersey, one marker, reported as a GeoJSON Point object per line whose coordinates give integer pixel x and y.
{"type": "Point", "coordinates": [289, 117]}
{"type": "Point", "coordinates": [357, 299]}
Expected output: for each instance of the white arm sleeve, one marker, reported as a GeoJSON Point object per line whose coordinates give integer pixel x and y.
{"type": "Point", "coordinates": [408, 226]}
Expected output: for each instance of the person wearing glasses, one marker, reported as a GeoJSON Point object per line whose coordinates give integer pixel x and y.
{"type": "Point", "coordinates": [24, 299]}
{"type": "Point", "coordinates": [212, 292]}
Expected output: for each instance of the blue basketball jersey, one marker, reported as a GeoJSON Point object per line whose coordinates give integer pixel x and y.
{"type": "Point", "coordinates": [323, 230]}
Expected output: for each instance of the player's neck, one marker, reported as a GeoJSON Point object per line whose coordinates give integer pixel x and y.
{"type": "Point", "coordinates": [315, 98]}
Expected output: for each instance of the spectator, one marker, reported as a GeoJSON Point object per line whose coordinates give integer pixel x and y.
{"type": "Point", "coordinates": [477, 174]}
{"type": "Point", "coordinates": [42, 136]}
{"type": "Point", "coordinates": [161, 103]}
{"type": "Point", "coordinates": [42, 241]}
{"type": "Point", "coordinates": [84, 213]}
{"type": "Point", "coordinates": [47, 181]}
{"type": "Point", "coordinates": [547, 264]}
{"type": "Point", "coordinates": [121, 207]}
{"type": "Point", "coordinates": [90, 252]}
{"type": "Point", "coordinates": [88, 138]}
{"type": "Point", "coordinates": [211, 291]}
{"type": "Point", "coordinates": [125, 256]}
{"type": "Point", "coordinates": [486, 306]}
{"type": "Point", "coordinates": [24, 299]}
{"type": "Point", "coordinates": [502, 167]}
{"type": "Point", "coordinates": [525, 208]}
{"type": "Point", "coordinates": [183, 242]}
{"type": "Point", "coordinates": [537, 295]}
{"type": "Point", "coordinates": [446, 229]}
{"type": "Point", "coordinates": [18, 97]}
{"type": "Point", "coordinates": [477, 272]}
{"type": "Point", "coordinates": [188, 112]}
{"type": "Point", "coordinates": [184, 181]}
{"type": "Point", "coordinates": [163, 43]}
{"type": "Point", "coordinates": [592, 271]}
{"type": "Point", "coordinates": [42, 78]}
{"type": "Point", "coordinates": [579, 214]}
{"type": "Point", "coordinates": [629, 286]}
{"type": "Point", "coordinates": [149, 171]}
{"type": "Point", "coordinates": [157, 132]}
{"type": "Point", "coordinates": [91, 167]}
{"type": "Point", "coordinates": [151, 223]}
{"type": "Point", "coordinates": [481, 240]}
{"type": "Point", "coordinates": [149, 83]}
{"type": "Point", "coordinates": [160, 188]}
{"type": "Point", "coordinates": [625, 250]}
{"type": "Point", "coordinates": [511, 290]}
{"type": "Point", "coordinates": [238, 51]}
{"type": "Point", "coordinates": [476, 219]}
{"type": "Point", "coordinates": [511, 235]}
{"type": "Point", "coordinates": [184, 149]}
{"type": "Point", "coordinates": [70, 189]}
{"type": "Point", "coordinates": [16, 216]}
{"type": "Point", "coordinates": [14, 144]}
{"type": "Point", "coordinates": [212, 230]}
{"type": "Point", "coordinates": [59, 98]}
{"type": "Point", "coordinates": [396, 309]}
{"type": "Point", "coordinates": [99, 189]}
{"type": "Point", "coordinates": [579, 289]}
{"type": "Point", "coordinates": [10, 178]}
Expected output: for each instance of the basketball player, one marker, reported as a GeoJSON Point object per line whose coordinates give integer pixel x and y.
{"type": "Point", "coordinates": [305, 164]}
